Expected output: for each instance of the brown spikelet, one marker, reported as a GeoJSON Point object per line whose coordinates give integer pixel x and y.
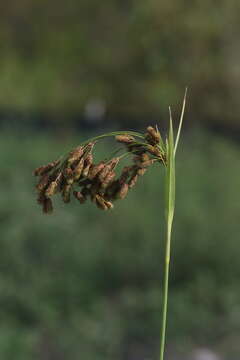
{"type": "Point", "coordinates": [101, 203]}
{"type": "Point", "coordinates": [87, 164]}
{"type": "Point", "coordinates": [108, 179]}
{"type": "Point", "coordinates": [122, 192]}
{"type": "Point", "coordinates": [51, 189]}
{"type": "Point", "coordinates": [112, 189]}
{"type": "Point", "coordinates": [47, 206]}
{"type": "Point", "coordinates": [80, 197]}
{"type": "Point", "coordinates": [75, 154]}
{"type": "Point", "coordinates": [126, 171]}
{"type": "Point", "coordinates": [77, 172]}
{"type": "Point", "coordinates": [107, 168]}
{"type": "Point", "coordinates": [143, 160]}
{"type": "Point", "coordinates": [66, 193]}
{"type": "Point", "coordinates": [46, 168]}
{"type": "Point", "coordinates": [154, 150]}
{"type": "Point", "coordinates": [95, 169]}
{"type": "Point", "coordinates": [43, 182]}
{"type": "Point", "coordinates": [152, 136]}
{"type": "Point", "coordinates": [125, 139]}
{"type": "Point", "coordinates": [109, 204]}
{"type": "Point", "coordinates": [53, 186]}
{"type": "Point", "coordinates": [133, 180]}
{"type": "Point", "coordinates": [41, 197]}
{"type": "Point", "coordinates": [141, 171]}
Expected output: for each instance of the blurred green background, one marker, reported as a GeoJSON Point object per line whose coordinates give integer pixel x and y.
{"type": "Point", "coordinates": [83, 284]}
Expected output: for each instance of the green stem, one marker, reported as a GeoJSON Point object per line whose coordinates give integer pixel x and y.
{"type": "Point", "coordinates": [165, 289]}
{"type": "Point", "coordinates": [114, 133]}
{"type": "Point", "coordinates": [170, 205]}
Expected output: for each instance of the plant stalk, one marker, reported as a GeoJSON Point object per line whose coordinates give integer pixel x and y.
{"type": "Point", "coordinates": [170, 205]}
{"type": "Point", "coordinates": [165, 290]}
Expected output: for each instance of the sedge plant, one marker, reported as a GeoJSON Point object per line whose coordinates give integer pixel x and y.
{"type": "Point", "coordinates": [78, 176]}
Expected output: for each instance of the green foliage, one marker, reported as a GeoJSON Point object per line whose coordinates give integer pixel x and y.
{"type": "Point", "coordinates": [86, 282]}
{"type": "Point", "coordinates": [137, 56]}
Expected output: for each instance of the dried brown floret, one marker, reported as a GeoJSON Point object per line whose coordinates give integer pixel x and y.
{"type": "Point", "coordinates": [87, 164]}
{"type": "Point", "coordinates": [122, 192]}
{"type": "Point", "coordinates": [112, 189]}
{"type": "Point", "coordinates": [102, 203]}
{"type": "Point", "coordinates": [53, 186]}
{"type": "Point", "coordinates": [77, 172]}
{"type": "Point", "coordinates": [154, 150]}
{"type": "Point", "coordinates": [126, 171]}
{"type": "Point", "coordinates": [43, 182]}
{"type": "Point", "coordinates": [95, 170]}
{"type": "Point", "coordinates": [133, 180]}
{"type": "Point", "coordinates": [108, 179]}
{"type": "Point", "coordinates": [107, 168]}
{"type": "Point", "coordinates": [141, 171]}
{"type": "Point", "coordinates": [125, 139]}
{"type": "Point", "coordinates": [75, 154]}
{"type": "Point", "coordinates": [47, 206]}
{"type": "Point", "coordinates": [46, 168]}
{"type": "Point", "coordinates": [80, 196]}
{"type": "Point", "coordinates": [66, 193]}
{"type": "Point", "coordinates": [109, 204]}
{"type": "Point", "coordinates": [152, 136]}
{"type": "Point", "coordinates": [68, 175]}
{"type": "Point", "coordinates": [143, 160]}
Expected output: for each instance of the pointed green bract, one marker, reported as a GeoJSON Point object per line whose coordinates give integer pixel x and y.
{"type": "Point", "coordinates": [180, 122]}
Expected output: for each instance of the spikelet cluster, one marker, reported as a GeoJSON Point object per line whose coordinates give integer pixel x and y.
{"type": "Point", "coordinates": [79, 177]}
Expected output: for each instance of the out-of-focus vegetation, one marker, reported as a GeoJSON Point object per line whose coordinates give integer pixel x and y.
{"type": "Point", "coordinates": [136, 57]}
{"type": "Point", "coordinates": [87, 284]}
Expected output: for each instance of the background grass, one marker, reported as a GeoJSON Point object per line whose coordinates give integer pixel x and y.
{"type": "Point", "coordinates": [89, 283]}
